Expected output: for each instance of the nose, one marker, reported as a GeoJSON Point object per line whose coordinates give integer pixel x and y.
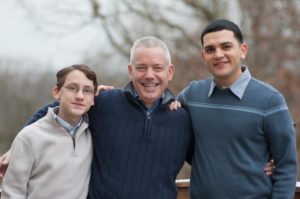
{"type": "Point", "coordinates": [79, 94]}
{"type": "Point", "coordinates": [149, 73]}
{"type": "Point", "coordinates": [219, 53]}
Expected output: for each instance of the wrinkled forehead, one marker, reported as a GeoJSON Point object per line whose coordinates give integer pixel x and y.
{"type": "Point", "coordinates": [150, 56]}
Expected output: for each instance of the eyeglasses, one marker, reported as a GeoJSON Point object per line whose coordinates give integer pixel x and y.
{"type": "Point", "coordinates": [87, 91]}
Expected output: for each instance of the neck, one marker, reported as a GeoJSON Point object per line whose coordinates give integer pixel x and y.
{"type": "Point", "coordinates": [72, 120]}
{"type": "Point", "coordinates": [148, 105]}
{"type": "Point", "coordinates": [227, 81]}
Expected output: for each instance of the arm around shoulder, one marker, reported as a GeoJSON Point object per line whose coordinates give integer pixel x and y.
{"type": "Point", "coordinates": [4, 160]}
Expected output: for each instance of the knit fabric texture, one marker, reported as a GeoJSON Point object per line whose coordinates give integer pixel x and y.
{"type": "Point", "coordinates": [136, 155]}
{"type": "Point", "coordinates": [234, 138]}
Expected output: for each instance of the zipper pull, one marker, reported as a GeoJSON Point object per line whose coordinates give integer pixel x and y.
{"type": "Point", "coordinates": [148, 115]}
{"type": "Point", "coordinates": [74, 144]}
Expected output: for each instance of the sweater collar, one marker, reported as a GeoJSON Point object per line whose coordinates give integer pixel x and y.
{"type": "Point", "coordinates": [52, 111]}
{"type": "Point", "coordinates": [238, 87]}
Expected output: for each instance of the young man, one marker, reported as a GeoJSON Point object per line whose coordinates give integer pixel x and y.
{"type": "Point", "coordinates": [239, 123]}
{"type": "Point", "coordinates": [51, 158]}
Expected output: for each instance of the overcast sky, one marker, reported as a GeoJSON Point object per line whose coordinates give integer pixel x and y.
{"type": "Point", "coordinates": [22, 39]}
{"type": "Point", "coordinates": [24, 35]}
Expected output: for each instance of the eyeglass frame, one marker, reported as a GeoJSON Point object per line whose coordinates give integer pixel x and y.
{"type": "Point", "coordinates": [87, 91]}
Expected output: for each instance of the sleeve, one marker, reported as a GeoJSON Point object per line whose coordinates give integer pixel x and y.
{"type": "Point", "coordinates": [19, 170]}
{"type": "Point", "coordinates": [40, 113]}
{"type": "Point", "coordinates": [182, 96]}
{"type": "Point", "coordinates": [190, 153]}
{"type": "Point", "coordinates": [281, 138]}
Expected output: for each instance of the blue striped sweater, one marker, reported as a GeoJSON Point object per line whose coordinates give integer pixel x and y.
{"type": "Point", "coordinates": [235, 137]}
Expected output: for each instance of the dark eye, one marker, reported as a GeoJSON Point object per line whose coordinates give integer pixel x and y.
{"type": "Point", "coordinates": [158, 68]}
{"type": "Point", "coordinates": [141, 68]}
{"type": "Point", "coordinates": [209, 50]}
{"type": "Point", "coordinates": [227, 47]}
{"type": "Point", "coordinates": [72, 88]}
{"type": "Point", "coordinates": [88, 91]}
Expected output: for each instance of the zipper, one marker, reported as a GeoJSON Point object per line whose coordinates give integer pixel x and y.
{"type": "Point", "coordinates": [148, 120]}
{"type": "Point", "coordinates": [74, 143]}
{"type": "Point", "coordinates": [148, 124]}
{"type": "Point", "coordinates": [148, 116]}
{"type": "Point", "coordinates": [74, 146]}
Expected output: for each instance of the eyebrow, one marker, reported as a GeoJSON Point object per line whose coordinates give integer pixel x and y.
{"type": "Point", "coordinates": [226, 42]}
{"type": "Point", "coordinates": [222, 44]}
{"type": "Point", "coordinates": [75, 84]}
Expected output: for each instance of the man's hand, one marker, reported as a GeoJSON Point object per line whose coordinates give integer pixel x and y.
{"type": "Point", "coordinates": [4, 160]}
{"type": "Point", "coordinates": [175, 105]}
{"type": "Point", "coordinates": [269, 168]}
{"type": "Point", "coordinates": [103, 88]}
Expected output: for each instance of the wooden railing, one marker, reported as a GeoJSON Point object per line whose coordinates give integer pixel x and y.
{"type": "Point", "coordinates": [184, 184]}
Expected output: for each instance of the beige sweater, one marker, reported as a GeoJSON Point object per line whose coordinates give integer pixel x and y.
{"type": "Point", "coordinates": [46, 162]}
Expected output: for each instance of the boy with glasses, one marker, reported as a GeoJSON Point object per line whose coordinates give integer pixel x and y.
{"type": "Point", "coordinates": [52, 157]}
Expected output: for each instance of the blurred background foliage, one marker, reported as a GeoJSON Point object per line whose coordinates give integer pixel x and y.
{"type": "Point", "coordinates": [271, 27]}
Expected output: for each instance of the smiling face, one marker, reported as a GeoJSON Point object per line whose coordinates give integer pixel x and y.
{"type": "Point", "coordinates": [223, 55]}
{"type": "Point", "coordinates": [150, 74]}
{"type": "Point", "coordinates": [76, 96]}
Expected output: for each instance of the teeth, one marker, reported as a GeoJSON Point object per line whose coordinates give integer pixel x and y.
{"type": "Point", "coordinates": [149, 84]}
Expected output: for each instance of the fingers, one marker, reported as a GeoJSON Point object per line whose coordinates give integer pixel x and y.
{"type": "Point", "coordinates": [4, 160]}
{"type": "Point", "coordinates": [3, 166]}
{"type": "Point", "coordinates": [172, 107]}
{"type": "Point", "coordinates": [175, 105]}
{"type": "Point", "coordinates": [1, 178]}
{"type": "Point", "coordinates": [268, 173]}
{"type": "Point", "coordinates": [269, 168]}
{"type": "Point", "coordinates": [103, 88]}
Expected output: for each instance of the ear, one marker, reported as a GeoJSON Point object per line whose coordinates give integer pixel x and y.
{"type": "Point", "coordinates": [202, 55]}
{"type": "Point", "coordinates": [171, 71]}
{"type": "Point", "coordinates": [244, 50]}
{"type": "Point", "coordinates": [55, 92]}
{"type": "Point", "coordinates": [130, 71]}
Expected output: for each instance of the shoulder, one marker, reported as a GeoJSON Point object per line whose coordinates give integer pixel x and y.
{"type": "Point", "coordinates": [266, 92]}
{"type": "Point", "coordinates": [28, 135]}
{"type": "Point", "coordinates": [106, 101]}
{"type": "Point", "coordinates": [180, 114]}
{"type": "Point", "coordinates": [263, 87]}
{"type": "Point", "coordinates": [108, 95]}
{"type": "Point", "coordinates": [178, 119]}
{"type": "Point", "coordinates": [37, 129]}
{"type": "Point", "coordinates": [196, 88]}
{"type": "Point", "coordinates": [200, 83]}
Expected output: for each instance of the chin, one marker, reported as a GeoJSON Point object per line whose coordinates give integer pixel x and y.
{"type": "Point", "coordinates": [78, 113]}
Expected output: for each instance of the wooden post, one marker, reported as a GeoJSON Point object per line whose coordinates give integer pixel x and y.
{"type": "Point", "coordinates": [297, 193]}
{"type": "Point", "coordinates": [184, 184]}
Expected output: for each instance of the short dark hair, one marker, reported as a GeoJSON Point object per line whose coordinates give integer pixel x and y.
{"type": "Point", "coordinates": [88, 72]}
{"type": "Point", "coordinates": [222, 24]}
